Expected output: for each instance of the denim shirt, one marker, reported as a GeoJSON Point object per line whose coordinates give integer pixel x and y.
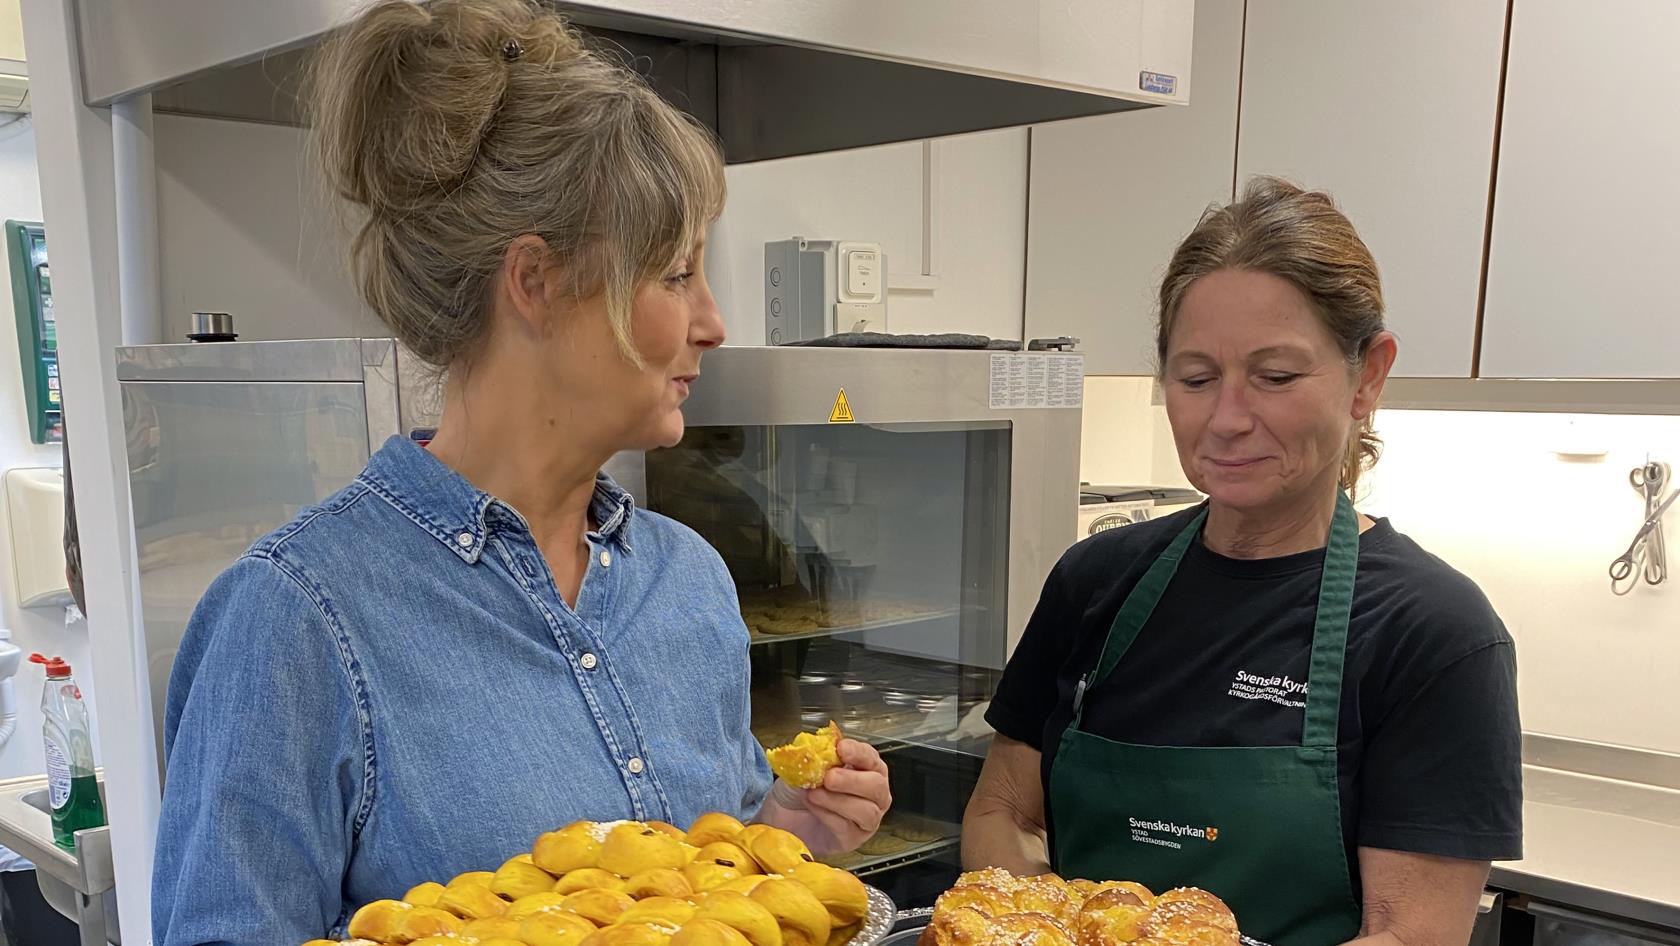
{"type": "Point", "coordinates": [390, 690]}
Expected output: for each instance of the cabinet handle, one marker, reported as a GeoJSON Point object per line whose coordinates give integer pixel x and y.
{"type": "Point", "coordinates": [1490, 901]}
{"type": "Point", "coordinates": [1652, 934]}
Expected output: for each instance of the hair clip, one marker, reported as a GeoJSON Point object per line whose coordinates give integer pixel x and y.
{"type": "Point", "coordinates": [512, 50]}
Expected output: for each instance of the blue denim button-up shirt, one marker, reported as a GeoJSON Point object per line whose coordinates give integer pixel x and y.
{"type": "Point", "coordinates": [390, 690]}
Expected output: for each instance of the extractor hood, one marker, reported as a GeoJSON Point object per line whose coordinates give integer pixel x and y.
{"type": "Point", "coordinates": [773, 78]}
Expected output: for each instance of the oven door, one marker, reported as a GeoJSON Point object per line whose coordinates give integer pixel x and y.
{"type": "Point", "coordinates": [888, 518]}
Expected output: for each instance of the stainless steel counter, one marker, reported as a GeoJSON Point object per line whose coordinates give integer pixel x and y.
{"type": "Point", "coordinates": [1600, 844]}
{"type": "Point", "coordinates": [79, 884]}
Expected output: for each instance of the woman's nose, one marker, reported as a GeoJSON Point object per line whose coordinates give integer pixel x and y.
{"type": "Point", "coordinates": [1231, 414]}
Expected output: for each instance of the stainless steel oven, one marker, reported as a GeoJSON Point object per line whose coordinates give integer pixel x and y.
{"type": "Point", "coordinates": [888, 518]}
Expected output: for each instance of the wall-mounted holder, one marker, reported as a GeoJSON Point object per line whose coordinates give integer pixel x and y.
{"type": "Point", "coordinates": [26, 248]}
{"type": "Point", "coordinates": [34, 498]}
{"type": "Point", "coordinates": [1646, 557]}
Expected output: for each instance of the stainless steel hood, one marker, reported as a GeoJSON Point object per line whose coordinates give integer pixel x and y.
{"type": "Point", "coordinates": [774, 78]}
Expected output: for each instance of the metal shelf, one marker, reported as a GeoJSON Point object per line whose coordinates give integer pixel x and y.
{"type": "Point", "coordinates": [864, 864]}
{"type": "Point", "coordinates": [943, 614]}
{"type": "Point", "coordinates": [973, 746]}
{"type": "Point", "coordinates": [79, 883]}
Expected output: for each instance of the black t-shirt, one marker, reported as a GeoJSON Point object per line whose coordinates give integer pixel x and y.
{"type": "Point", "coordinates": [1430, 754]}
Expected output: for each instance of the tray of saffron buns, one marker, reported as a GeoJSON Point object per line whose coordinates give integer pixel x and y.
{"type": "Point", "coordinates": [996, 908]}
{"type": "Point", "coordinates": [634, 883]}
{"type": "Point", "coordinates": [648, 883]}
{"type": "Point", "coordinates": [724, 883]}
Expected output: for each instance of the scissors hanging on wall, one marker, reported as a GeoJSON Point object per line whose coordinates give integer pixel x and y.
{"type": "Point", "coordinates": [1647, 556]}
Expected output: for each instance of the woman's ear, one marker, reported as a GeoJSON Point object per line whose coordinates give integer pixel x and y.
{"type": "Point", "coordinates": [524, 282]}
{"type": "Point", "coordinates": [1373, 373]}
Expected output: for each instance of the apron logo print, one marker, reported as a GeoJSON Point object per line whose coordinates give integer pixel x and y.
{"type": "Point", "coordinates": [1168, 833]}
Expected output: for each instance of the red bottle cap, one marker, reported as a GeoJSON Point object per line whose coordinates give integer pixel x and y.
{"type": "Point", "coordinates": [56, 667]}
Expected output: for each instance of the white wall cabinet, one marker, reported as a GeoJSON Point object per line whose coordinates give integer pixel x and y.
{"type": "Point", "coordinates": [1581, 262]}
{"type": "Point", "coordinates": [1391, 108]}
{"type": "Point", "coordinates": [1111, 196]}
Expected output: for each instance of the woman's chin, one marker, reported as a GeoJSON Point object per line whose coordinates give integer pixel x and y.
{"type": "Point", "coordinates": [669, 433]}
{"type": "Point", "coordinates": [1235, 490]}
{"type": "Point", "coordinates": [664, 432]}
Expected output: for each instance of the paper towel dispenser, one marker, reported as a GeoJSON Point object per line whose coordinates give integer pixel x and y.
{"type": "Point", "coordinates": [35, 536]}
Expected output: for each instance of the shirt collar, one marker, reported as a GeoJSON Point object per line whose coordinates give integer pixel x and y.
{"type": "Point", "coordinates": [442, 502]}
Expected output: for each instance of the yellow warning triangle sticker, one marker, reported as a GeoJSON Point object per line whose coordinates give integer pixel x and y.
{"type": "Point", "coordinates": [842, 413]}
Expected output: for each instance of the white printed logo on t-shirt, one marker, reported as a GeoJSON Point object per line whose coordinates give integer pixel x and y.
{"type": "Point", "coordinates": [1282, 690]}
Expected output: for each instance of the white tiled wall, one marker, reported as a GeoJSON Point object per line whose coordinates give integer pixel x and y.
{"type": "Point", "coordinates": [33, 629]}
{"type": "Point", "coordinates": [273, 255]}
{"type": "Point", "coordinates": [978, 233]}
{"type": "Point", "coordinates": [1118, 433]}
{"type": "Point", "coordinates": [245, 229]}
{"type": "Point", "coordinates": [1537, 531]}
{"type": "Point", "coordinates": [1492, 495]}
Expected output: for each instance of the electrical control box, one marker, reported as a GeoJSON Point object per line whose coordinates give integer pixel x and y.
{"type": "Point", "coordinates": [817, 288]}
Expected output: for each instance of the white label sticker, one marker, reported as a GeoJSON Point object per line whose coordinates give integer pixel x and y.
{"type": "Point", "coordinates": [1027, 380]}
{"type": "Point", "coordinates": [58, 776]}
{"type": "Point", "coordinates": [1158, 82]}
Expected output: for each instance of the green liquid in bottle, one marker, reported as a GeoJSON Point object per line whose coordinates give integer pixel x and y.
{"type": "Point", "coordinates": [72, 787]}
{"type": "Point", "coordinates": [82, 809]}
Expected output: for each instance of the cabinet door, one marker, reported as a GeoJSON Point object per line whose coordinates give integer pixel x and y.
{"type": "Point", "coordinates": [1581, 263]}
{"type": "Point", "coordinates": [1390, 107]}
{"type": "Point", "coordinates": [1111, 196]}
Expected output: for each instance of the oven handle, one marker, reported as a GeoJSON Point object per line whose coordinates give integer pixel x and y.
{"type": "Point", "coordinates": [1609, 924]}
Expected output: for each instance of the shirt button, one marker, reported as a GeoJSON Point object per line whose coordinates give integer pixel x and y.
{"type": "Point", "coordinates": [606, 559]}
{"type": "Point", "coordinates": [588, 661]}
{"type": "Point", "coordinates": [464, 540]}
{"type": "Point", "coordinates": [635, 766]}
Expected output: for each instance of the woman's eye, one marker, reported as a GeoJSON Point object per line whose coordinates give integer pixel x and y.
{"type": "Point", "coordinates": [1279, 378]}
{"type": "Point", "coordinates": [1195, 384]}
{"type": "Point", "coordinates": [680, 279]}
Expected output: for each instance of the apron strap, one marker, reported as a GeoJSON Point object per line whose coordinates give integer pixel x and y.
{"type": "Point", "coordinates": [1330, 624]}
{"type": "Point", "coordinates": [1329, 646]}
{"type": "Point", "coordinates": [1135, 612]}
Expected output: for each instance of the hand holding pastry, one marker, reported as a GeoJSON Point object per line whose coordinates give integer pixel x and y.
{"type": "Point", "coordinates": [841, 813]}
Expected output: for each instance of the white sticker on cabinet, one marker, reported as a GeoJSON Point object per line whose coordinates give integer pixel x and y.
{"type": "Point", "coordinates": [1037, 380]}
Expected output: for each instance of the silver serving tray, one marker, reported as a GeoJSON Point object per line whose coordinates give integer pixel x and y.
{"type": "Point", "coordinates": [920, 917]}
{"type": "Point", "coordinates": [878, 922]}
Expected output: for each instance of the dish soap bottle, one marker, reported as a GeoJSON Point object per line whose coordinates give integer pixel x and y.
{"type": "Point", "coordinates": [73, 789]}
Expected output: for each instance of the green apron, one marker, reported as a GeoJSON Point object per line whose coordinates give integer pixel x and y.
{"type": "Point", "coordinates": [1258, 826]}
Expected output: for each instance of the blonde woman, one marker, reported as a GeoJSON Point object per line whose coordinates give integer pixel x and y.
{"type": "Point", "coordinates": [481, 641]}
{"type": "Point", "coordinates": [1272, 696]}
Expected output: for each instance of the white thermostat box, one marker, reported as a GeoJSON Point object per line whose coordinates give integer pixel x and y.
{"type": "Point", "coordinates": [817, 288]}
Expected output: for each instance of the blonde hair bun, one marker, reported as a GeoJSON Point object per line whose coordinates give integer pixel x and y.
{"type": "Point", "coordinates": [461, 125]}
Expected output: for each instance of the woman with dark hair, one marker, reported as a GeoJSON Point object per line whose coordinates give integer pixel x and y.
{"type": "Point", "coordinates": [1271, 696]}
